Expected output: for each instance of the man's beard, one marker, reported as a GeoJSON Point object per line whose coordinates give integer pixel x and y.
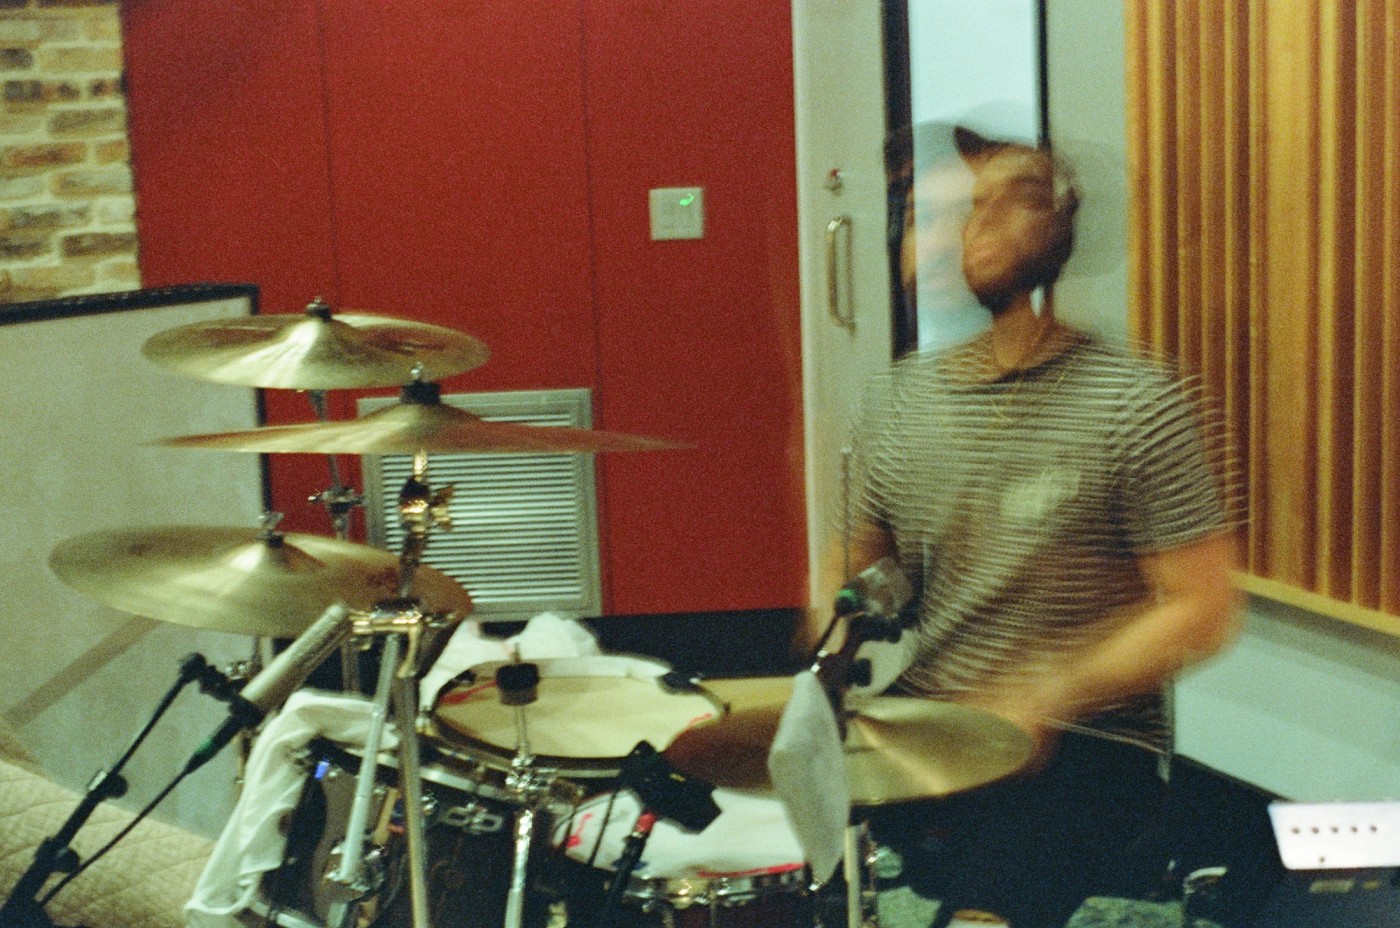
{"type": "Point", "coordinates": [998, 296]}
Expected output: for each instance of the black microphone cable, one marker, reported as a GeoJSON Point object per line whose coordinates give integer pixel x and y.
{"type": "Point", "coordinates": [130, 826]}
{"type": "Point", "coordinates": [193, 667]}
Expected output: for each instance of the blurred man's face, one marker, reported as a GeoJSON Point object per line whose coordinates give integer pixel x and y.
{"type": "Point", "coordinates": [934, 213]}
{"type": "Point", "coordinates": [1010, 234]}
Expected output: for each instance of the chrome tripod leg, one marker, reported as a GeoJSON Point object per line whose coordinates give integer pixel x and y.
{"type": "Point", "coordinates": [350, 874]}
{"type": "Point", "coordinates": [411, 783]}
{"type": "Point", "coordinates": [524, 835]}
{"type": "Point", "coordinates": [858, 913]}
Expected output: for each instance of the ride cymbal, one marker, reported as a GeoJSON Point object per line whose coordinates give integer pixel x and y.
{"type": "Point", "coordinates": [315, 350]}
{"type": "Point", "coordinates": [897, 748]}
{"type": "Point", "coordinates": [239, 579]}
{"type": "Point", "coordinates": [421, 423]}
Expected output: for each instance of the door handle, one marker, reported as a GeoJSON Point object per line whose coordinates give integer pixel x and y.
{"type": "Point", "coordinates": [838, 284]}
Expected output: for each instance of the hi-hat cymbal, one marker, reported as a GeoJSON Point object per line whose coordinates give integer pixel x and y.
{"type": "Point", "coordinates": [418, 425]}
{"type": "Point", "coordinates": [238, 579]}
{"type": "Point", "coordinates": [315, 350]}
{"type": "Point", "coordinates": [897, 748]}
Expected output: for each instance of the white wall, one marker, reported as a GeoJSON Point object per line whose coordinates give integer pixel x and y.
{"type": "Point", "coordinates": [1301, 705]}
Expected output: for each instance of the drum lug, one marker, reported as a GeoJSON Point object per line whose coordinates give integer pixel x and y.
{"type": "Point", "coordinates": [473, 818]}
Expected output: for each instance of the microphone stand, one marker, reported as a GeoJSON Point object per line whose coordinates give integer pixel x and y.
{"type": "Point", "coordinates": [664, 793]}
{"type": "Point", "coordinates": [837, 673]}
{"type": "Point", "coordinates": [627, 863]}
{"type": "Point", "coordinates": [55, 854]}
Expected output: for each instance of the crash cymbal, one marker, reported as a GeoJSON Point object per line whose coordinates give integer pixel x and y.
{"type": "Point", "coordinates": [897, 748]}
{"type": "Point", "coordinates": [315, 350]}
{"type": "Point", "coordinates": [237, 579]}
{"type": "Point", "coordinates": [420, 423]}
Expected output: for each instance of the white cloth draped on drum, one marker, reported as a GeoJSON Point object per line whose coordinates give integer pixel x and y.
{"type": "Point", "coordinates": [252, 843]}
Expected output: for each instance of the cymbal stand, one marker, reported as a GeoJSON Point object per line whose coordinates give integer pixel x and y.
{"type": "Point", "coordinates": [421, 510]}
{"type": "Point", "coordinates": [340, 501]}
{"type": "Point", "coordinates": [422, 637]}
{"type": "Point", "coordinates": [351, 876]}
{"type": "Point", "coordinates": [518, 685]}
{"type": "Point", "coordinates": [414, 642]}
{"type": "Point", "coordinates": [838, 672]}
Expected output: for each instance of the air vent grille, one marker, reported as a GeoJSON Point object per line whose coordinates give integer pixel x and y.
{"type": "Point", "coordinates": [525, 526]}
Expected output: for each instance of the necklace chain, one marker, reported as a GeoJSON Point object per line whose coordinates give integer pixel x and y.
{"type": "Point", "coordinates": [1003, 408]}
{"type": "Point", "coordinates": [1028, 353]}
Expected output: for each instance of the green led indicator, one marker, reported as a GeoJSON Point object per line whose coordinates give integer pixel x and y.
{"type": "Point", "coordinates": [688, 199]}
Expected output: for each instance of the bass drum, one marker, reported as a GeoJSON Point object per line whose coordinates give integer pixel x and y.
{"type": "Point", "coordinates": [743, 871]}
{"type": "Point", "coordinates": [470, 845]}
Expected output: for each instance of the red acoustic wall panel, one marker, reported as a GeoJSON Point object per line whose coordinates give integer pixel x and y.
{"type": "Point", "coordinates": [699, 339]}
{"type": "Point", "coordinates": [485, 166]}
{"type": "Point", "coordinates": [229, 145]}
{"type": "Point", "coordinates": [457, 135]}
{"type": "Point", "coordinates": [226, 115]}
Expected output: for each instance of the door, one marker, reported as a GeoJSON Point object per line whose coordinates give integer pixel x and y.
{"type": "Point", "coordinates": [839, 77]}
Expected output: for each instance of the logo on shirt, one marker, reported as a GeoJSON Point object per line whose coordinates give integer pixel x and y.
{"type": "Point", "coordinates": [1033, 499]}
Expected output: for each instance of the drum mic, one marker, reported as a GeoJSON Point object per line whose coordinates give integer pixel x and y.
{"type": "Point", "coordinates": [881, 590]}
{"type": "Point", "coordinates": [687, 801]}
{"type": "Point", "coordinates": [278, 680]}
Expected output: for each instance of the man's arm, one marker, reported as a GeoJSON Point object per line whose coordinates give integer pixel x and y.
{"type": "Point", "coordinates": [1192, 615]}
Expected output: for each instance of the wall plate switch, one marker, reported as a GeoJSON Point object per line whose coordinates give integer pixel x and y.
{"type": "Point", "coordinates": [677, 212]}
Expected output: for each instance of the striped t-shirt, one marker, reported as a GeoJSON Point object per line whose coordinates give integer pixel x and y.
{"type": "Point", "coordinates": [1019, 506]}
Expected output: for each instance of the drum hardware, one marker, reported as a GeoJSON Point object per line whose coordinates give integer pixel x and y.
{"type": "Point", "coordinates": [340, 502]}
{"type": "Point", "coordinates": [517, 686]}
{"type": "Point", "coordinates": [55, 854]}
{"type": "Point", "coordinates": [416, 640]}
{"type": "Point", "coordinates": [354, 879]}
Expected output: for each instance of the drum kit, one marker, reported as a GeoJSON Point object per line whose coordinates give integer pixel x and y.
{"type": "Point", "coordinates": [532, 751]}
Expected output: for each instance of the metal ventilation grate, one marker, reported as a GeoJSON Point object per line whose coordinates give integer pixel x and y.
{"type": "Point", "coordinates": [524, 536]}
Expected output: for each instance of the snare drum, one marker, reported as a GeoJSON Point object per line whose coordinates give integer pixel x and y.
{"type": "Point", "coordinates": [744, 871]}
{"type": "Point", "coordinates": [590, 712]}
{"type": "Point", "coordinates": [469, 832]}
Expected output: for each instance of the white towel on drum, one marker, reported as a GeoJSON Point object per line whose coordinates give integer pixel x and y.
{"type": "Point", "coordinates": [252, 842]}
{"type": "Point", "coordinates": [544, 637]}
{"type": "Point", "coordinates": [809, 775]}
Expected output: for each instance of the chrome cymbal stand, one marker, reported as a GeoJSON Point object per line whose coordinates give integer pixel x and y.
{"type": "Point", "coordinates": [340, 502]}
{"type": "Point", "coordinates": [421, 637]}
{"type": "Point", "coordinates": [529, 785]}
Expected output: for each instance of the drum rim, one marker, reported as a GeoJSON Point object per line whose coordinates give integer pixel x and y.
{"type": "Point", "coordinates": [585, 767]}
{"type": "Point", "coordinates": [450, 774]}
{"type": "Point", "coordinates": [711, 889]}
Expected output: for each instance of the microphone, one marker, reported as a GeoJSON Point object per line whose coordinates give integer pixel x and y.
{"type": "Point", "coordinates": [687, 801]}
{"type": "Point", "coordinates": [880, 590]}
{"type": "Point", "coordinates": [278, 680]}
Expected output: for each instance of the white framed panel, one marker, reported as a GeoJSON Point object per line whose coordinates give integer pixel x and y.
{"type": "Point", "coordinates": [81, 408]}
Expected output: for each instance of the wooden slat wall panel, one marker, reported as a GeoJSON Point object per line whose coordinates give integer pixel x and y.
{"type": "Point", "coordinates": [1389, 451]}
{"type": "Point", "coordinates": [1367, 364]}
{"type": "Point", "coordinates": [1264, 158]}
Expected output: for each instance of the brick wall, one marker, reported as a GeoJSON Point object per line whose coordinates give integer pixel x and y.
{"type": "Point", "coordinates": [67, 212]}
